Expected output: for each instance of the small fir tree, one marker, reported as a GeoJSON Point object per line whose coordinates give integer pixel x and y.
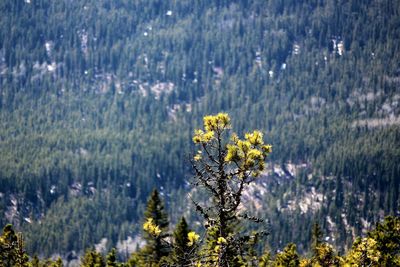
{"type": "Point", "coordinates": [181, 244]}
{"type": "Point", "coordinates": [92, 259]}
{"type": "Point", "coordinates": [364, 252]}
{"type": "Point", "coordinates": [8, 243]}
{"type": "Point", "coordinates": [155, 231]}
{"type": "Point", "coordinates": [59, 262]}
{"type": "Point", "coordinates": [21, 258]}
{"type": "Point", "coordinates": [325, 255]}
{"type": "Point", "coordinates": [316, 237]}
{"type": "Point", "coordinates": [185, 245]}
{"type": "Point", "coordinates": [387, 237]}
{"type": "Point", "coordinates": [35, 262]}
{"type": "Point", "coordinates": [12, 251]}
{"type": "Point", "coordinates": [112, 258]}
{"type": "Point", "coordinates": [288, 257]}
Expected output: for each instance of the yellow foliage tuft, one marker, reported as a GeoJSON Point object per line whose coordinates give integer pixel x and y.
{"type": "Point", "coordinates": [255, 138]}
{"type": "Point", "coordinates": [364, 249]}
{"type": "Point", "coordinates": [193, 237]}
{"type": "Point", "coordinates": [221, 240]}
{"type": "Point", "coordinates": [197, 157]}
{"type": "Point", "coordinates": [151, 228]}
{"type": "Point", "coordinates": [218, 122]}
{"type": "Point", "coordinates": [247, 154]}
{"type": "Point", "coordinates": [267, 149]}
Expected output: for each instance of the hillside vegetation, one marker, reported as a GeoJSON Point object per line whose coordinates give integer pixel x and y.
{"type": "Point", "coordinates": [99, 101]}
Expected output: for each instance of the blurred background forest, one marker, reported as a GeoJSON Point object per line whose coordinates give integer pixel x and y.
{"type": "Point", "coordinates": [99, 100]}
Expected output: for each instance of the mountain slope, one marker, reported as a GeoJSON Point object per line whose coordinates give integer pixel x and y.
{"type": "Point", "coordinates": [99, 100]}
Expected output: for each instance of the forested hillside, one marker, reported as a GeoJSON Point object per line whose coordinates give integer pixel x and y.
{"type": "Point", "coordinates": [99, 101]}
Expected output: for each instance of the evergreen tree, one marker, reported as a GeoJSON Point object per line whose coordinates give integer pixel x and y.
{"type": "Point", "coordinates": [51, 263]}
{"type": "Point", "coordinates": [12, 248]}
{"type": "Point", "coordinates": [288, 257]}
{"type": "Point", "coordinates": [112, 258]}
{"type": "Point", "coordinates": [265, 259]}
{"type": "Point", "coordinates": [9, 245]}
{"type": "Point", "coordinates": [364, 252]}
{"type": "Point", "coordinates": [185, 245]}
{"type": "Point", "coordinates": [58, 263]}
{"type": "Point", "coordinates": [316, 237]}
{"type": "Point", "coordinates": [134, 260]}
{"type": "Point", "coordinates": [92, 259]}
{"type": "Point", "coordinates": [223, 168]}
{"type": "Point", "coordinates": [156, 227]}
{"type": "Point", "coordinates": [323, 253]}
{"type": "Point", "coordinates": [74, 114]}
{"type": "Point", "coordinates": [21, 259]}
{"type": "Point", "coordinates": [35, 262]}
{"type": "Point", "coordinates": [387, 237]}
{"type": "Point", "coordinates": [181, 249]}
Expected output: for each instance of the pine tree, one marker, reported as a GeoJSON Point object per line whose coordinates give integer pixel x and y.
{"type": "Point", "coordinates": [21, 259]}
{"type": "Point", "coordinates": [265, 259]}
{"type": "Point", "coordinates": [134, 260]}
{"type": "Point", "coordinates": [387, 237]}
{"type": "Point", "coordinates": [8, 247]}
{"type": "Point", "coordinates": [323, 253]}
{"type": "Point", "coordinates": [92, 259]}
{"type": "Point", "coordinates": [156, 227]}
{"type": "Point", "coordinates": [223, 166]}
{"type": "Point", "coordinates": [316, 236]}
{"type": "Point", "coordinates": [181, 243]}
{"type": "Point", "coordinates": [51, 263]}
{"type": "Point", "coordinates": [364, 252]}
{"type": "Point", "coordinates": [112, 258]}
{"type": "Point", "coordinates": [288, 257]}
{"type": "Point", "coordinates": [35, 261]}
{"type": "Point", "coordinates": [58, 263]}
{"type": "Point", "coordinates": [184, 247]}
{"type": "Point", "coordinates": [12, 248]}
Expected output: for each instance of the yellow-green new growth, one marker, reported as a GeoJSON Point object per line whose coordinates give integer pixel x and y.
{"type": "Point", "coordinates": [224, 165]}
{"type": "Point", "coordinates": [248, 154]}
{"type": "Point", "coordinates": [221, 240]}
{"type": "Point", "coordinates": [202, 137]}
{"type": "Point", "coordinates": [151, 228]}
{"type": "Point", "coordinates": [364, 250]}
{"type": "Point", "coordinates": [216, 123]}
{"type": "Point", "coordinates": [192, 237]}
{"type": "Point", "coordinates": [255, 138]}
{"type": "Point", "coordinates": [212, 124]}
{"type": "Point", "coordinates": [197, 157]}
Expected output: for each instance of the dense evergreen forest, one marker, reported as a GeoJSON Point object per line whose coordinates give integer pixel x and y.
{"type": "Point", "coordinates": [99, 101]}
{"type": "Point", "coordinates": [184, 247]}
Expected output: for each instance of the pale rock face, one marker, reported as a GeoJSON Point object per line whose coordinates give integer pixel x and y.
{"type": "Point", "coordinates": [340, 48]}
{"type": "Point", "coordinates": [49, 47]}
{"type": "Point", "coordinates": [311, 201]}
{"type": "Point", "coordinates": [129, 245]}
{"type": "Point", "coordinates": [271, 74]}
{"type": "Point", "coordinates": [296, 49]}
{"type": "Point", "coordinates": [161, 87]}
{"type": "Point", "coordinates": [101, 247]}
{"type": "Point", "coordinates": [52, 67]}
